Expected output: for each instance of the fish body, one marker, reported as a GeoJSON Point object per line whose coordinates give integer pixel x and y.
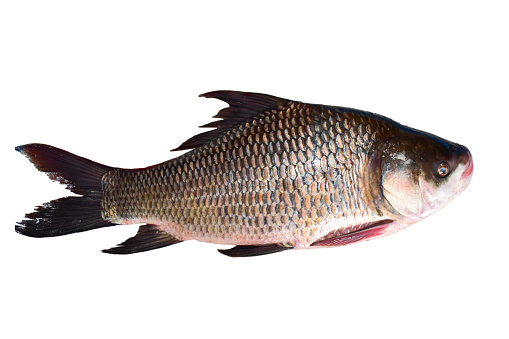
{"type": "Point", "coordinates": [274, 174]}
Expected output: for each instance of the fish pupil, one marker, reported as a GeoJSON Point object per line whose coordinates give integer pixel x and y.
{"type": "Point", "coordinates": [443, 169]}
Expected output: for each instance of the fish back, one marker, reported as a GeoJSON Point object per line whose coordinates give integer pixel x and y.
{"type": "Point", "coordinates": [292, 173]}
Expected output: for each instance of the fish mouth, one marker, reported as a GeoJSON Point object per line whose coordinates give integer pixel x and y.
{"type": "Point", "coordinates": [469, 167]}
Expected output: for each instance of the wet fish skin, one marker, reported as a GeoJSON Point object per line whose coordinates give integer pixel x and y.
{"type": "Point", "coordinates": [277, 178]}
{"type": "Point", "coordinates": [274, 174]}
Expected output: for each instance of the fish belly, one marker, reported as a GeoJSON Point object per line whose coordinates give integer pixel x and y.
{"type": "Point", "coordinates": [293, 176]}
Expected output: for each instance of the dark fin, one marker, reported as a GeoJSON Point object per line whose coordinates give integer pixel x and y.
{"type": "Point", "coordinates": [254, 250]}
{"type": "Point", "coordinates": [149, 237]}
{"type": "Point", "coordinates": [243, 107]}
{"type": "Point", "coordinates": [63, 216]}
{"type": "Point", "coordinates": [82, 176]}
{"type": "Point", "coordinates": [369, 231]}
{"type": "Point", "coordinates": [71, 214]}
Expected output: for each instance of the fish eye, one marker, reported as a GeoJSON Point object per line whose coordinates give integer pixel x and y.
{"type": "Point", "coordinates": [443, 169]}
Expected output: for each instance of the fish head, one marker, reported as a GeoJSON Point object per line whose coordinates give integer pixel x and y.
{"type": "Point", "coordinates": [421, 173]}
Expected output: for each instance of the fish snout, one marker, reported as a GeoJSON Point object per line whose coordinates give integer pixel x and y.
{"type": "Point", "coordinates": [466, 158]}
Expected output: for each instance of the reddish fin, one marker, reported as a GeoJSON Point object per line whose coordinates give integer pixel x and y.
{"type": "Point", "coordinates": [243, 107]}
{"type": "Point", "coordinates": [71, 214]}
{"type": "Point", "coordinates": [82, 176]}
{"type": "Point", "coordinates": [371, 230]}
{"type": "Point", "coordinates": [149, 237]}
{"type": "Point", "coordinates": [254, 250]}
{"type": "Point", "coordinates": [63, 216]}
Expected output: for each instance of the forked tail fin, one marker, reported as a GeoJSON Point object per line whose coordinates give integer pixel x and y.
{"type": "Point", "coordinates": [70, 214]}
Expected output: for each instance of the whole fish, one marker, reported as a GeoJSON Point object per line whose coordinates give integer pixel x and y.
{"type": "Point", "coordinates": [273, 175]}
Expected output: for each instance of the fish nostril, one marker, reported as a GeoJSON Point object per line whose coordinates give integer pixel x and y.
{"type": "Point", "coordinates": [463, 153]}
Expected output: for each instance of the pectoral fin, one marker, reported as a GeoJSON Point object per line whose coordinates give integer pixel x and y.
{"type": "Point", "coordinates": [371, 230]}
{"type": "Point", "coordinates": [254, 250]}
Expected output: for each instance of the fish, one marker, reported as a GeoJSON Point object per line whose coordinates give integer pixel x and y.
{"type": "Point", "coordinates": [271, 175]}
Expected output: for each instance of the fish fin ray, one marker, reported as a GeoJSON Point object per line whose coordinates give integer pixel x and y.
{"type": "Point", "coordinates": [371, 230]}
{"type": "Point", "coordinates": [256, 102]}
{"type": "Point", "coordinates": [254, 250]}
{"type": "Point", "coordinates": [81, 175]}
{"type": "Point", "coordinates": [149, 237]}
{"type": "Point", "coordinates": [63, 216]}
{"type": "Point", "coordinates": [243, 107]}
{"type": "Point", "coordinates": [70, 214]}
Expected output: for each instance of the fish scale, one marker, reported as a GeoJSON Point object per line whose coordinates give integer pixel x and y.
{"type": "Point", "coordinates": [288, 175]}
{"type": "Point", "coordinates": [273, 174]}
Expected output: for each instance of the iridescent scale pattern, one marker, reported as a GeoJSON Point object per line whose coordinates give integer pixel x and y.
{"type": "Point", "coordinates": [292, 174]}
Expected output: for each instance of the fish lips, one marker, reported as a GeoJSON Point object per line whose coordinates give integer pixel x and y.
{"type": "Point", "coordinates": [467, 173]}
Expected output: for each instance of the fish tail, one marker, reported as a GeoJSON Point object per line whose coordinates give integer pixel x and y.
{"type": "Point", "coordinates": [70, 214]}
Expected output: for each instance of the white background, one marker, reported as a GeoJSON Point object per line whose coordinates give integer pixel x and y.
{"type": "Point", "coordinates": [118, 82]}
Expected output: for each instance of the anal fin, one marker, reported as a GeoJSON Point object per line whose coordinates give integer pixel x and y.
{"type": "Point", "coordinates": [254, 250]}
{"type": "Point", "coordinates": [149, 237]}
{"type": "Point", "coordinates": [371, 230]}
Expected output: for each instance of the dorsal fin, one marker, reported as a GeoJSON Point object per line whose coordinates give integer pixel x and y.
{"type": "Point", "coordinates": [243, 106]}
